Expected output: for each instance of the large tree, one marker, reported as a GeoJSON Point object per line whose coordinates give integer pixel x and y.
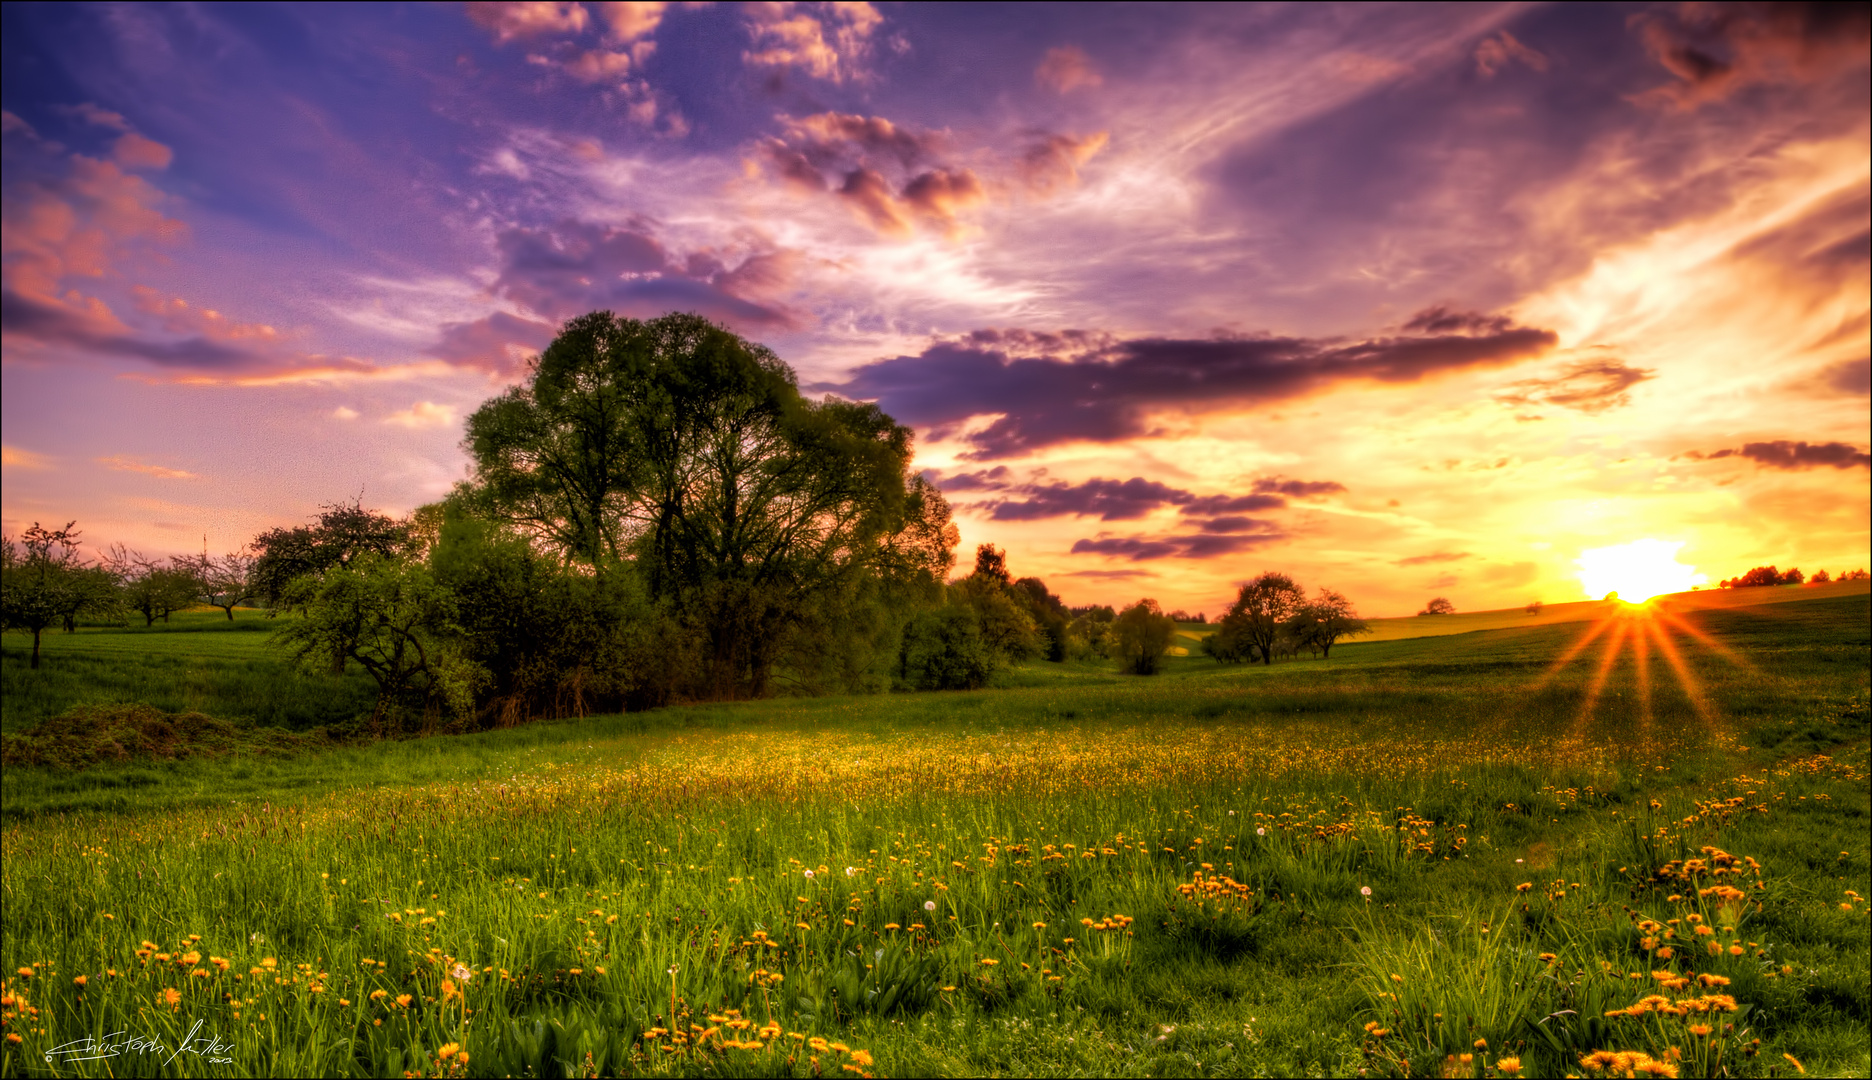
{"type": "Point", "coordinates": [680, 450]}
{"type": "Point", "coordinates": [1262, 611]}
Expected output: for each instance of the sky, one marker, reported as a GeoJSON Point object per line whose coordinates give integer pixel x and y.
{"type": "Point", "coordinates": [1404, 301]}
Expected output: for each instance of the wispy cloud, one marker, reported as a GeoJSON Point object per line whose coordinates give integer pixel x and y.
{"type": "Point", "coordinates": [124, 463]}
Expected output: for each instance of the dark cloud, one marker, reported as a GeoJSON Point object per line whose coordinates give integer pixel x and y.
{"type": "Point", "coordinates": [1434, 557]}
{"type": "Point", "coordinates": [1234, 504]}
{"type": "Point", "coordinates": [1201, 546]}
{"type": "Point", "coordinates": [1851, 377]}
{"type": "Point", "coordinates": [1091, 387]}
{"type": "Point", "coordinates": [995, 479]}
{"type": "Point", "coordinates": [1236, 524]}
{"type": "Point", "coordinates": [1108, 500]}
{"type": "Point", "coordinates": [1299, 489]}
{"type": "Point", "coordinates": [1590, 386]}
{"type": "Point", "coordinates": [572, 267]}
{"type": "Point", "coordinates": [495, 343]}
{"type": "Point", "coordinates": [1783, 454]}
{"type": "Point", "coordinates": [1716, 49]}
{"type": "Point", "coordinates": [1107, 575]}
{"type": "Point", "coordinates": [1118, 500]}
{"type": "Point", "coordinates": [47, 324]}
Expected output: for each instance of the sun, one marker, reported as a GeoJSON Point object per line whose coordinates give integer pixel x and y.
{"type": "Point", "coordinates": [1636, 571]}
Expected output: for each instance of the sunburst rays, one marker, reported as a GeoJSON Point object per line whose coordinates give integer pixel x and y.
{"type": "Point", "coordinates": [1638, 629]}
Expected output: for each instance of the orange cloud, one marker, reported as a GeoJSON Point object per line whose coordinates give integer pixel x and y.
{"type": "Point", "coordinates": [1065, 68]}
{"type": "Point", "coordinates": [631, 21]}
{"type": "Point", "coordinates": [129, 464]}
{"type": "Point", "coordinates": [514, 20]}
{"type": "Point", "coordinates": [1053, 164]}
{"type": "Point", "coordinates": [1498, 52]}
{"type": "Point", "coordinates": [14, 457]}
{"type": "Point", "coordinates": [423, 414]}
{"type": "Point", "coordinates": [829, 44]}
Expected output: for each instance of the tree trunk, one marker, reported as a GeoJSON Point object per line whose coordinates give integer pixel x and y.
{"type": "Point", "coordinates": [35, 659]}
{"type": "Point", "coordinates": [230, 610]}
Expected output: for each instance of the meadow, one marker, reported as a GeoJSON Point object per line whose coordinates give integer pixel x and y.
{"type": "Point", "coordinates": [1630, 846]}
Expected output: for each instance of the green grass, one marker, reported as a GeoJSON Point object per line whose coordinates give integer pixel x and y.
{"type": "Point", "coordinates": [198, 661]}
{"type": "Point", "coordinates": [1439, 772]}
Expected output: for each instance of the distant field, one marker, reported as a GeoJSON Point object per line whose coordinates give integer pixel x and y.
{"type": "Point", "coordinates": [198, 660]}
{"type": "Point", "coordinates": [1574, 611]}
{"type": "Point", "coordinates": [1077, 873]}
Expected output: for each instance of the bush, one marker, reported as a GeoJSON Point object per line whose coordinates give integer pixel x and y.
{"type": "Point", "coordinates": [943, 649]}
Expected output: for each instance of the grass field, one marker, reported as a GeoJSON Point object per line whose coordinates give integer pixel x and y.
{"type": "Point", "coordinates": [1637, 836]}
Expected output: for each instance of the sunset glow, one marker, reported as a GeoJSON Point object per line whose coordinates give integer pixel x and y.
{"type": "Point", "coordinates": [1409, 301]}
{"type": "Point", "coordinates": [1636, 571]}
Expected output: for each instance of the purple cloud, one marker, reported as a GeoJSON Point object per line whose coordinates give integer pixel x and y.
{"type": "Point", "coordinates": [1104, 390]}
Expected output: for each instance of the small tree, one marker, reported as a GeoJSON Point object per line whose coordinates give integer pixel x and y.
{"type": "Point", "coordinates": [226, 582]}
{"type": "Point", "coordinates": [40, 581]}
{"type": "Point", "coordinates": [1438, 606]}
{"type": "Point", "coordinates": [150, 587]}
{"type": "Point", "coordinates": [391, 617]}
{"type": "Point", "coordinates": [1262, 610]}
{"type": "Point", "coordinates": [1143, 634]}
{"type": "Point", "coordinates": [1325, 619]}
{"type": "Point", "coordinates": [1821, 577]}
{"type": "Point", "coordinates": [1534, 607]}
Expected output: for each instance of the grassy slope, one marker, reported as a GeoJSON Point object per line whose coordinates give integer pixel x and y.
{"type": "Point", "coordinates": [1453, 727]}
{"type": "Point", "coordinates": [197, 661]}
{"type": "Point", "coordinates": [1576, 611]}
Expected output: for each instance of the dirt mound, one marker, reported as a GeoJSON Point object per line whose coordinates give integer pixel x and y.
{"type": "Point", "coordinates": [91, 734]}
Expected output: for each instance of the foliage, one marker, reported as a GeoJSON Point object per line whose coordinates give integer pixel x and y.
{"type": "Point", "coordinates": [1262, 612]}
{"type": "Point", "coordinates": [1767, 575]}
{"type": "Point", "coordinates": [679, 447]}
{"type": "Point", "coordinates": [226, 582]}
{"type": "Point", "coordinates": [153, 588]}
{"type": "Point", "coordinates": [554, 641]}
{"type": "Point", "coordinates": [45, 582]}
{"type": "Point", "coordinates": [1438, 605]}
{"type": "Point", "coordinates": [343, 533]}
{"type": "Point", "coordinates": [1143, 634]}
{"type": "Point", "coordinates": [391, 618]}
{"type": "Point", "coordinates": [1323, 620]}
{"type": "Point", "coordinates": [943, 649]}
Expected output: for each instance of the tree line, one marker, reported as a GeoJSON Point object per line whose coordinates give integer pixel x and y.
{"type": "Point", "coordinates": [656, 513]}
{"type": "Point", "coordinates": [1769, 575]}
{"type": "Point", "coordinates": [48, 583]}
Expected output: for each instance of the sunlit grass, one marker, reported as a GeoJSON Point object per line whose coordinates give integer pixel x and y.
{"type": "Point", "coordinates": [1089, 875]}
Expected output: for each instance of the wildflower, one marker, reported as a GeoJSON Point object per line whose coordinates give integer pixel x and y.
{"type": "Point", "coordinates": [461, 973]}
{"type": "Point", "coordinates": [1481, 1044]}
{"type": "Point", "coordinates": [1794, 1061]}
{"type": "Point", "coordinates": [447, 1050]}
{"type": "Point", "coordinates": [851, 871]}
{"type": "Point", "coordinates": [929, 905]}
{"type": "Point", "coordinates": [1699, 1030]}
{"type": "Point", "coordinates": [379, 995]}
{"type": "Point", "coordinates": [1039, 926]}
{"type": "Point", "coordinates": [1508, 1066]}
{"type": "Point", "coordinates": [989, 961]}
{"type": "Point", "coordinates": [403, 1000]}
{"type": "Point", "coordinates": [25, 973]}
{"type": "Point", "coordinates": [1261, 832]}
{"type": "Point", "coordinates": [1365, 891]}
{"type": "Point", "coordinates": [78, 980]}
{"type": "Point", "coordinates": [171, 997]}
{"type": "Point", "coordinates": [1524, 886]}
{"type": "Point", "coordinates": [892, 926]}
